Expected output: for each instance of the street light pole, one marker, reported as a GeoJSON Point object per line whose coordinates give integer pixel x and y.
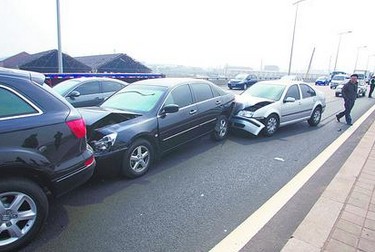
{"type": "Point", "coordinates": [356, 60]}
{"type": "Point", "coordinates": [338, 47]}
{"type": "Point", "coordinates": [368, 60]}
{"type": "Point", "coordinates": [59, 54]}
{"type": "Point", "coordinates": [294, 31]}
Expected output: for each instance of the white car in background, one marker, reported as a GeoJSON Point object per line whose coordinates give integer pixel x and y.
{"type": "Point", "coordinates": [268, 105]}
{"type": "Point", "coordinates": [338, 79]}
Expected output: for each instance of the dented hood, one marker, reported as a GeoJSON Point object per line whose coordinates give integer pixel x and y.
{"type": "Point", "coordinates": [243, 102]}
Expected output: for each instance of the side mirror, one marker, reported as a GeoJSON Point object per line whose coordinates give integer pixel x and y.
{"type": "Point", "coordinates": [289, 99]}
{"type": "Point", "coordinates": [170, 108]}
{"type": "Point", "coordinates": [74, 94]}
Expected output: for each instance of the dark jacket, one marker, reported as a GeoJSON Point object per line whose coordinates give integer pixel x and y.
{"type": "Point", "coordinates": [349, 91]}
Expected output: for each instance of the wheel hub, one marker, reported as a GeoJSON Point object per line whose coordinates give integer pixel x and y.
{"type": "Point", "coordinates": [8, 215]}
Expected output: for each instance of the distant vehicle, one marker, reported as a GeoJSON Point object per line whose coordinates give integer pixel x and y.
{"type": "Point", "coordinates": [338, 79]}
{"type": "Point", "coordinates": [268, 105]}
{"type": "Point", "coordinates": [242, 81]}
{"type": "Point", "coordinates": [322, 80]}
{"type": "Point", "coordinates": [43, 151]}
{"type": "Point", "coordinates": [53, 79]}
{"type": "Point", "coordinates": [292, 78]}
{"type": "Point", "coordinates": [361, 91]}
{"type": "Point", "coordinates": [85, 92]}
{"type": "Point", "coordinates": [144, 120]}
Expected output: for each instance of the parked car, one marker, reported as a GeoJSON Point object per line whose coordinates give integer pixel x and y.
{"type": "Point", "coordinates": [322, 81]}
{"type": "Point", "coordinates": [43, 151]}
{"type": "Point", "coordinates": [291, 78]}
{"type": "Point", "coordinates": [148, 118]}
{"type": "Point", "coordinates": [242, 81]}
{"type": "Point", "coordinates": [91, 91]}
{"type": "Point", "coordinates": [268, 105]}
{"type": "Point", "coordinates": [361, 91]}
{"type": "Point", "coordinates": [338, 79]}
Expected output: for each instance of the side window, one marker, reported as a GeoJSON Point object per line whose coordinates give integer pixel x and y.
{"type": "Point", "coordinates": [88, 88]}
{"type": "Point", "coordinates": [202, 91]}
{"type": "Point", "coordinates": [293, 92]}
{"type": "Point", "coordinates": [307, 91]}
{"type": "Point", "coordinates": [14, 105]}
{"type": "Point", "coordinates": [218, 91]}
{"type": "Point", "coordinates": [108, 86]}
{"type": "Point", "coordinates": [181, 96]}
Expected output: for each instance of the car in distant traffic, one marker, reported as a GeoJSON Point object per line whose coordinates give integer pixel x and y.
{"type": "Point", "coordinates": [361, 91]}
{"type": "Point", "coordinates": [291, 78]}
{"type": "Point", "coordinates": [322, 81]}
{"type": "Point", "coordinates": [88, 91]}
{"type": "Point", "coordinates": [338, 79]}
{"type": "Point", "coordinates": [146, 119]}
{"type": "Point", "coordinates": [268, 105]}
{"type": "Point", "coordinates": [43, 151]}
{"type": "Point", "coordinates": [242, 81]}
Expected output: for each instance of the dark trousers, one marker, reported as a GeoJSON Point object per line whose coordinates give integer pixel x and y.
{"type": "Point", "coordinates": [371, 90]}
{"type": "Point", "coordinates": [348, 104]}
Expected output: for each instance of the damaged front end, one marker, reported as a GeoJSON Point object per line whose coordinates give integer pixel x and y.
{"type": "Point", "coordinates": [247, 118]}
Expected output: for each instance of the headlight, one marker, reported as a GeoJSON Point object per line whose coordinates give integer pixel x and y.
{"type": "Point", "coordinates": [104, 144]}
{"type": "Point", "coordinates": [246, 113]}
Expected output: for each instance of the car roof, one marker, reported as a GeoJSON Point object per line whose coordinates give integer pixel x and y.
{"type": "Point", "coordinates": [281, 82]}
{"type": "Point", "coordinates": [82, 79]}
{"type": "Point", "coordinates": [33, 76]}
{"type": "Point", "coordinates": [168, 82]}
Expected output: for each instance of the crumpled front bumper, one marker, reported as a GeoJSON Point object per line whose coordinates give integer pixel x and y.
{"type": "Point", "coordinates": [251, 125]}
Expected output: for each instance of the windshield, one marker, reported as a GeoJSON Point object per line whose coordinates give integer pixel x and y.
{"type": "Point", "coordinates": [65, 86]}
{"type": "Point", "coordinates": [265, 90]}
{"type": "Point", "coordinates": [136, 99]}
{"type": "Point", "coordinates": [339, 77]}
{"type": "Point", "coordinates": [240, 76]}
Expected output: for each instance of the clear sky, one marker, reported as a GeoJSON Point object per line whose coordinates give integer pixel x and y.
{"type": "Point", "coordinates": [206, 33]}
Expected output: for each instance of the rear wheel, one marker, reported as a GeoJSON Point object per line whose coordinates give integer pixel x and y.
{"type": "Point", "coordinates": [23, 211]}
{"type": "Point", "coordinates": [221, 128]}
{"type": "Point", "coordinates": [271, 125]}
{"type": "Point", "coordinates": [138, 159]}
{"type": "Point", "coordinates": [315, 117]}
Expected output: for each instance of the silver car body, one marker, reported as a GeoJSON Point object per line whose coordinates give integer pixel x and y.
{"type": "Point", "coordinates": [251, 111]}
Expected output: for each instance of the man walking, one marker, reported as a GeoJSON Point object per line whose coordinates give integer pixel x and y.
{"type": "Point", "coordinates": [372, 86]}
{"type": "Point", "coordinates": [349, 93]}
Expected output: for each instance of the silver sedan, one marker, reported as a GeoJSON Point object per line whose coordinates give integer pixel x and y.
{"type": "Point", "coordinates": [268, 105]}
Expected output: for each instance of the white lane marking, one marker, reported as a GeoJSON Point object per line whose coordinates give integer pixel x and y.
{"type": "Point", "coordinates": [238, 238]}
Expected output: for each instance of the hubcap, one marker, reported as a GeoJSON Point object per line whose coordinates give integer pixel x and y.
{"type": "Point", "coordinates": [139, 158]}
{"type": "Point", "coordinates": [271, 125]}
{"type": "Point", "coordinates": [17, 216]}
{"type": "Point", "coordinates": [223, 128]}
{"type": "Point", "coordinates": [317, 116]}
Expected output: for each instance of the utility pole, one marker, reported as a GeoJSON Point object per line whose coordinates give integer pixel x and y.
{"type": "Point", "coordinates": [59, 54]}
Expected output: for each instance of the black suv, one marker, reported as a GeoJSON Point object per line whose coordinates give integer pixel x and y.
{"type": "Point", "coordinates": [43, 151]}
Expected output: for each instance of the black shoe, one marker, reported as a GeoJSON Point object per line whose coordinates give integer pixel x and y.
{"type": "Point", "coordinates": [337, 118]}
{"type": "Point", "coordinates": [350, 124]}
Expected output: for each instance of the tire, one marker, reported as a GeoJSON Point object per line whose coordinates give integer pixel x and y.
{"type": "Point", "coordinates": [271, 125]}
{"type": "Point", "coordinates": [137, 159]}
{"type": "Point", "coordinates": [221, 128]}
{"type": "Point", "coordinates": [244, 86]}
{"type": "Point", "coordinates": [316, 116]}
{"type": "Point", "coordinates": [21, 197]}
{"type": "Point", "coordinates": [230, 88]}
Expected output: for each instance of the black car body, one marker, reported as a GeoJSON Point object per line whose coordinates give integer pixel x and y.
{"type": "Point", "coordinates": [91, 91]}
{"type": "Point", "coordinates": [242, 81]}
{"type": "Point", "coordinates": [148, 118]}
{"type": "Point", "coordinates": [43, 150]}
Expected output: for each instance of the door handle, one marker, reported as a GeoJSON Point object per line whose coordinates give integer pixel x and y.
{"type": "Point", "coordinates": [192, 112]}
{"type": "Point", "coordinates": [218, 102]}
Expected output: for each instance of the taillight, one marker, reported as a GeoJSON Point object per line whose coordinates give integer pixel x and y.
{"type": "Point", "coordinates": [78, 127]}
{"type": "Point", "coordinates": [89, 161]}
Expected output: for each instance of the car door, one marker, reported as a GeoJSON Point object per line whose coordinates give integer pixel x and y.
{"type": "Point", "coordinates": [291, 110]}
{"type": "Point", "coordinates": [209, 106]}
{"type": "Point", "coordinates": [181, 126]}
{"type": "Point", "coordinates": [108, 88]}
{"type": "Point", "coordinates": [308, 100]}
{"type": "Point", "coordinates": [89, 95]}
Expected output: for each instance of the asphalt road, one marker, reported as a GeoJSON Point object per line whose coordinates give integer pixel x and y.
{"type": "Point", "coordinates": [195, 195]}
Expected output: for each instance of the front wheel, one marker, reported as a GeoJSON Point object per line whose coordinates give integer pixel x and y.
{"type": "Point", "coordinates": [138, 159]}
{"type": "Point", "coordinates": [221, 128]}
{"type": "Point", "coordinates": [23, 211]}
{"type": "Point", "coordinates": [272, 124]}
{"type": "Point", "coordinates": [315, 117]}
